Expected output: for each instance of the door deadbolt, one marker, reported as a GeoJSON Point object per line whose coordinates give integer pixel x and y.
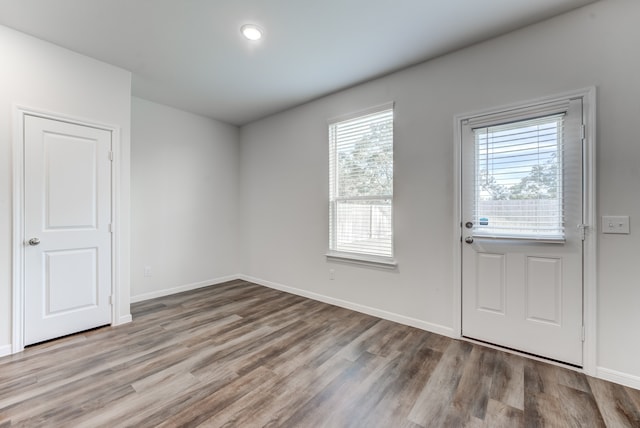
{"type": "Point", "coordinates": [468, 225]}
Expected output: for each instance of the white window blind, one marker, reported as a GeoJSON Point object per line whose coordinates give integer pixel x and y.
{"type": "Point", "coordinates": [361, 184]}
{"type": "Point", "coordinates": [519, 180]}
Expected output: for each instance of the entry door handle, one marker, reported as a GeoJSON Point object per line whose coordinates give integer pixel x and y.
{"type": "Point", "coordinates": [33, 242]}
{"type": "Point", "coordinates": [469, 239]}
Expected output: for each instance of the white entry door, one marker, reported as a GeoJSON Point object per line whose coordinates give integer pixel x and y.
{"type": "Point", "coordinates": [67, 215]}
{"type": "Point", "coordinates": [522, 229]}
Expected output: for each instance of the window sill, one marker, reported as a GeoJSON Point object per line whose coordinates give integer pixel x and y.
{"type": "Point", "coordinates": [363, 260]}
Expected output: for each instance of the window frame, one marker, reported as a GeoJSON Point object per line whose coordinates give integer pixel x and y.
{"type": "Point", "coordinates": [358, 258]}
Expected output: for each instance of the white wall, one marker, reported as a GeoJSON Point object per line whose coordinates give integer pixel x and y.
{"type": "Point", "coordinates": [184, 189]}
{"type": "Point", "coordinates": [284, 172]}
{"type": "Point", "coordinates": [43, 76]}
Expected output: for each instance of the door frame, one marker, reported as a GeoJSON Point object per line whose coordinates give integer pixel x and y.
{"type": "Point", "coordinates": [18, 300]}
{"type": "Point", "coordinates": [589, 268]}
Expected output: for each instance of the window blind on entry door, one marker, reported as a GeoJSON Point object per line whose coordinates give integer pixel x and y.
{"type": "Point", "coordinates": [518, 179]}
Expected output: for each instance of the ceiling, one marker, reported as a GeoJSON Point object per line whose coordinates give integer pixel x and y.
{"type": "Point", "coordinates": [190, 54]}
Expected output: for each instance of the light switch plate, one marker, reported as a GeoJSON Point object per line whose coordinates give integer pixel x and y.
{"type": "Point", "coordinates": [615, 224]}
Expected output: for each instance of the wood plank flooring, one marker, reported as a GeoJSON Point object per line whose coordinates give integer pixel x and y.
{"type": "Point", "coordinates": [242, 355]}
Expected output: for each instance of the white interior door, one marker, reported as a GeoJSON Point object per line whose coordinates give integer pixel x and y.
{"type": "Point", "coordinates": [67, 210]}
{"type": "Point", "coordinates": [522, 230]}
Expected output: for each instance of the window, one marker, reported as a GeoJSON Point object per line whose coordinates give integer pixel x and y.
{"type": "Point", "coordinates": [519, 179]}
{"type": "Point", "coordinates": [361, 186]}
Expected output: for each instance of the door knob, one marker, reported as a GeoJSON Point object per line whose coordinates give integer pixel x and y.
{"type": "Point", "coordinates": [469, 239]}
{"type": "Point", "coordinates": [34, 241]}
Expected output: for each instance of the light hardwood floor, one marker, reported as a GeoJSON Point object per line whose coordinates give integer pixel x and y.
{"type": "Point", "coordinates": [242, 355]}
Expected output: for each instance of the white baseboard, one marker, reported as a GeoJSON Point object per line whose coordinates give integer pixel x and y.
{"type": "Point", "coordinates": [390, 316]}
{"type": "Point", "coordinates": [6, 350]}
{"type": "Point", "coordinates": [124, 319]}
{"type": "Point", "coordinates": [618, 377]}
{"type": "Point", "coordinates": [401, 319]}
{"type": "Point", "coordinates": [181, 288]}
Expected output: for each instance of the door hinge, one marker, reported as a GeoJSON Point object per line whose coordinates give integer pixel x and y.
{"type": "Point", "coordinates": [111, 156]}
{"type": "Point", "coordinates": [583, 132]}
{"type": "Point", "coordinates": [582, 231]}
{"type": "Point", "coordinates": [583, 334]}
{"type": "Point", "coordinates": [111, 227]}
{"type": "Point", "coordinates": [111, 299]}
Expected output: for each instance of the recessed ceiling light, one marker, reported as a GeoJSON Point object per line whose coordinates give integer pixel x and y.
{"type": "Point", "coordinates": [251, 32]}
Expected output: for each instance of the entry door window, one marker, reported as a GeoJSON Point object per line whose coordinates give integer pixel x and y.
{"type": "Point", "coordinates": [518, 188]}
